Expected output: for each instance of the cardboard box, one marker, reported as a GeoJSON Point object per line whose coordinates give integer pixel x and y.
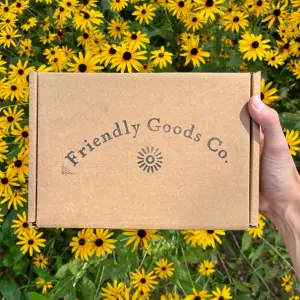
{"type": "Point", "coordinates": [162, 151]}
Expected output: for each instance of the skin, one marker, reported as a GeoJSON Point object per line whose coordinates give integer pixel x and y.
{"type": "Point", "coordinates": [279, 179]}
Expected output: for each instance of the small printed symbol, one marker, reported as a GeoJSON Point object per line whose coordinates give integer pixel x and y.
{"type": "Point", "coordinates": [150, 160]}
{"type": "Point", "coordinates": [65, 170]}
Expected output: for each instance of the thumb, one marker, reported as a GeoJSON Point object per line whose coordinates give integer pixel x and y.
{"type": "Point", "coordinates": [274, 140]}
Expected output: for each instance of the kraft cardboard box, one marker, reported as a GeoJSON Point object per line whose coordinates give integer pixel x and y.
{"type": "Point", "coordinates": [156, 151]}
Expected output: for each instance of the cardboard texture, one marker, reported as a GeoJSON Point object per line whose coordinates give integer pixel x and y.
{"type": "Point", "coordinates": [162, 151]}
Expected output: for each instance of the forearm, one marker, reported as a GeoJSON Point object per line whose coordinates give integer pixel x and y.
{"type": "Point", "coordinates": [287, 219]}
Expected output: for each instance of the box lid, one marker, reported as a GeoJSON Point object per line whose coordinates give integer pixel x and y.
{"type": "Point", "coordinates": [163, 151]}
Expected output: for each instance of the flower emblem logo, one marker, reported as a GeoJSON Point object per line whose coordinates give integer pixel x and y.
{"type": "Point", "coordinates": [150, 160]}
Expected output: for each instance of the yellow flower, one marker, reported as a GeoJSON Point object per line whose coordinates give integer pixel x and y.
{"type": "Point", "coordinates": [85, 64]}
{"type": "Point", "coordinates": [141, 237]}
{"type": "Point", "coordinates": [194, 21]}
{"type": "Point", "coordinates": [179, 8]}
{"type": "Point", "coordinates": [287, 283]}
{"type": "Point", "coordinates": [19, 164]}
{"type": "Point", "coordinates": [118, 5]}
{"type": "Point", "coordinates": [235, 20]}
{"type": "Point", "coordinates": [253, 45]}
{"type": "Point", "coordinates": [208, 8]}
{"type": "Point", "coordinates": [44, 285]}
{"type": "Point", "coordinates": [135, 40]}
{"type": "Point", "coordinates": [164, 269]}
{"type": "Point", "coordinates": [19, 72]}
{"type": "Point", "coordinates": [101, 243]}
{"type": "Point", "coordinates": [115, 291]}
{"type": "Point", "coordinates": [48, 38]}
{"type": "Point", "coordinates": [11, 118]}
{"type": "Point", "coordinates": [7, 180]}
{"type": "Point", "coordinates": [161, 57]}
{"type": "Point", "coordinates": [257, 231]}
{"type": "Point", "coordinates": [143, 281]}
{"type": "Point", "coordinates": [32, 22]}
{"type": "Point", "coordinates": [116, 28]}
{"type": "Point", "coordinates": [170, 296]}
{"type": "Point", "coordinates": [21, 225]}
{"type": "Point", "coordinates": [40, 261]}
{"type": "Point", "coordinates": [30, 241]}
{"type": "Point", "coordinates": [274, 59]}
{"type": "Point", "coordinates": [292, 138]}
{"type": "Point", "coordinates": [21, 134]}
{"type": "Point", "coordinates": [267, 93]}
{"type": "Point", "coordinates": [207, 268]}
{"type": "Point", "coordinates": [294, 298]}
{"type": "Point", "coordinates": [8, 21]}
{"type": "Point", "coordinates": [6, 37]}
{"type": "Point", "coordinates": [260, 7]}
{"type": "Point", "coordinates": [3, 149]}
{"type": "Point", "coordinates": [127, 58]}
{"type": "Point", "coordinates": [286, 47]}
{"type": "Point", "coordinates": [84, 19]}
{"type": "Point", "coordinates": [16, 198]}
{"type": "Point", "coordinates": [222, 294]}
{"type": "Point", "coordinates": [193, 53]}
{"type": "Point", "coordinates": [146, 68]}
{"type": "Point", "coordinates": [202, 295]}
{"type": "Point", "coordinates": [144, 13]}
{"type": "Point", "coordinates": [82, 244]}
{"type": "Point", "coordinates": [278, 13]}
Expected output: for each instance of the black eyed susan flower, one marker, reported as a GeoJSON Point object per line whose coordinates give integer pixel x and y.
{"type": "Point", "coordinates": [223, 294]}
{"type": "Point", "coordinates": [170, 296]}
{"type": "Point", "coordinates": [19, 164]}
{"type": "Point", "coordinates": [296, 69]}
{"type": "Point", "coordinates": [235, 21]}
{"type": "Point", "coordinates": [210, 8]}
{"type": "Point", "coordinates": [294, 298]}
{"type": "Point", "coordinates": [179, 8]}
{"type": "Point", "coordinates": [260, 7]}
{"type": "Point", "coordinates": [136, 40]}
{"type": "Point", "coordinates": [141, 237]}
{"type": "Point", "coordinates": [286, 47]}
{"type": "Point", "coordinates": [192, 53]}
{"type": "Point", "coordinates": [144, 13]}
{"type": "Point", "coordinates": [277, 14]}
{"type": "Point", "coordinates": [141, 295]}
{"type": "Point", "coordinates": [84, 19]}
{"type": "Point", "coordinates": [21, 225]}
{"type": "Point", "coordinates": [30, 241]}
{"type": "Point", "coordinates": [2, 63]}
{"type": "Point", "coordinates": [164, 269]}
{"type": "Point", "coordinates": [116, 290]}
{"type": "Point", "coordinates": [44, 285]}
{"type": "Point", "coordinates": [267, 93]}
{"type": "Point", "coordinates": [142, 280]}
{"type": "Point", "coordinates": [274, 59]}
{"type": "Point", "coordinates": [20, 6]}
{"type": "Point", "coordinates": [3, 150]}
{"type": "Point", "coordinates": [48, 38]}
{"type": "Point", "coordinates": [61, 15]}
{"type": "Point", "coordinates": [69, 5]}
{"type": "Point", "coordinates": [31, 23]}
{"type": "Point", "coordinates": [194, 21]}
{"type": "Point", "coordinates": [207, 268]}
{"type": "Point", "coordinates": [81, 244]}
{"type": "Point", "coordinates": [8, 21]}
{"type": "Point", "coordinates": [146, 67]}
{"type": "Point", "coordinates": [101, 243]}
{"type": "Point", "coordinates": [6, 8]}
{"type": "Point", "coordinates": [118, 5]}
{"type": "Point", "coordinates": [58, 63]}
{"type": "Point", "coordinates": [107, 53]}
{"type": "Point", "coordinates": [201, 295]}
{"type": "Point", "coordinates": [87, 36]}
{"type": "Point", "coordinates": [186, 36]}
{"type": "Point", "coordinates": [292, 138]}
{"type": "Point", "coordinates": [116, 28]}
{"type": "Point", "coordinates": [161, 57]}
{"type": "Point", "coordinates": [7, 36]}
{"type": "Point", "coordinates": [19, 72]}
{"type": "Point", "coordinates": [11, 90]}
{"type": "Point", "coordinates": [253, 46]}
{"type": "Point", "coordinates": [257, 232]}
{"type": "Point", "coordinates": [88, 4]}
{"type": "Point", "coordinates": [40, 261]}
{"type": "Point", "coordinates": [21, 134]}
{"type": "Point", "coordinates": [127, 58]}
{"type": "Point", "coordinates": [85, 64]}
{"type": "Point", "coordinates": [287, 283]}
{"type": "Point", "coordinates": [16, 198]}
{"type": "Point", "coordinates": [7, 180]}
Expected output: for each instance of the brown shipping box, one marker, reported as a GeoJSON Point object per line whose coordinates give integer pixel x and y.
{"type": "Point", "coordinates": [151, 151]}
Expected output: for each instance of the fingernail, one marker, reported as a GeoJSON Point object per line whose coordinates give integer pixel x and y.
{"type": "Point", "coordinates": [258, 104]}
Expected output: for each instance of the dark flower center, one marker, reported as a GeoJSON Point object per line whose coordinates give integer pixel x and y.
{"type": "Point", "coordinates": [69, 4]}
{"type": "Point", "coordinates": [52, 52]}
{"type": "Point", "coordinates": [249, 6]}
{"type": "Point", "coordinates": [10, 119]}
{"type": "Point", "coordinates": [19, 5]}
{"type": "Point", "coordinates": [221, 298]}
{"type": "Point", "coordinates": [262, 96]}
{"type": "Point", "coordinates": [145, 67]}
{"type": "Point", "coordinates": [81, 242]}
{"type": "Point", "coordinates": [236, 19]}
{"type": "Point", "coordinates": [85, 2]}
{"type": "Point", "coordinates": [112, 51]}
{"type": "Point", "coordinates": [30, 242]}
{"type": "Point", "coordinates": [28, 23]}
{"type": "Point", "coordinates": [82, 68]}
{"type": "Point", "coordinates": [259, 3]}
{"type": "Point", "coordinates": [8, 21]}
{"type": "Point", "coordinates": [40, 261]}
{"type": "Point", "coordinates": [55, 59]}
{"type": "Point", "coordinates": [143, 280]}
{"type": "Point", "coordinates": [277, 12]}
{"type": "Point", "coordinates": [13, 88]}
{"type": "Point", "coordinates": [59, 33]}
{"type": "Point", "coordinates": [142, 293]}
{"type": "Point", "coordinates": [194, 51]}
{"type": "Point", "coordinates": [20, 72]}
{"type": "Point", "coordinates": [127, 55]}
{"type": "Point", "coordinates": [86, 16]}
{"type": "Point", "coordinates": [273, 58]}
{"type": "Point", "coordinates": [181, 4]}
{"type": "Point", "coordinates": [25, 225]}
{"type": "Point", "coordinates": [85, 35]}
{"type": "Point", "coordinates": [99, 242]}
{"type": "Point", "coordinates": [26, 48]}
{"type": "Point", "coordinates": [197, 298]}
{"type": "Point", "coordinates": [133, 36]}
{"type": "Point", "coordinates": [163, 268]}
{"type": "Point", "coordinates": [255, 44]}
{"type": "Point", "coordinates": [194, 19]}
{"type": "Point", "coordinates": [209, 3]}
{"type": "Point", "coordinates": [4, 180]}
{"type": "Point", "coordinates": [210, 231]}
{"type": "Point", "coordinates": [144, 11]}
{"type": "Point", "coordinates": [18, 163]}
{"type": "Point", "coordinates": [6, 9]}
{"type": "Point", "coordinates": [161, 55]}
{"type": "Point", "coordinates": [117, 1]}
{"type": "Point", "coordinates": [230, 9]}
{"type": "Point", "coordinates": [141, 233]}
{"type": "Point", "coordinates": [286, 46]}
{"type": "Point", "coordinates": [61, 9]}
{"type": "Point", "coordinates": [8, 36]}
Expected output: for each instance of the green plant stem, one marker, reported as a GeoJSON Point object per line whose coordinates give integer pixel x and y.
{"type": "Point", "coordinates": [225, 268]}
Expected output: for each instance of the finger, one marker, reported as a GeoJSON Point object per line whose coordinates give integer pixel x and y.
{"type": "Point", "coordinates": [261, 142]}
{"type": "Point", "coordinates": [274, 140]}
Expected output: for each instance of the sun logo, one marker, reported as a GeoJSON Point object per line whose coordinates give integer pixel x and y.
{"type": "Point", "coordinates": [150, 160]}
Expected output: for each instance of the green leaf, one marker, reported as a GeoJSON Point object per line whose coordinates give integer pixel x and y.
{"type": "Point", "coordinates": [87, 288]}
{"type": "Point", "coordinates": [75, 266]}
{"type": "Point", "coordinates": [64, 288]}
{"type": "Point", "coordinates": [243, 297]}
{"type": "Point", "coordinates": [21, 266]}
{"type": "Point", "coordinates": [246, 241]}
{"type": "Point", "coordinates": [290, 121]}
{"type": "Point", "coordinates": [241, 286]}
{"type": "Point", "coordinates": [271, 273]}
{"type": "Point", "coordinates": [257, 253]}
{"type": "Point", "coordinates": [36, 296]}
{"type": "Point", "coordinates": [62, 271]}
{"type": "Point", "coordinates": [9, 289]}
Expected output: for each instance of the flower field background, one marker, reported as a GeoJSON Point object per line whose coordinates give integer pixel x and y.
{"type": "Point", "coordinates": [141, 36]}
